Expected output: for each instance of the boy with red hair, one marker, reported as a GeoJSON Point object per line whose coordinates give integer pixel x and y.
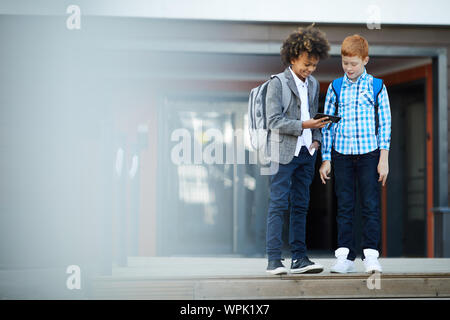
{"type": "Point", "coordinates": [358, 145]}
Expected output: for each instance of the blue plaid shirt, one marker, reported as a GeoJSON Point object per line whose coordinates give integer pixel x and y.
{"type": "Point", "coordinates": [355, 133]}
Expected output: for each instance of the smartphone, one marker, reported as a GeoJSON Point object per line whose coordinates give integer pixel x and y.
{"type": "Point", "coordinates": [333, 119]}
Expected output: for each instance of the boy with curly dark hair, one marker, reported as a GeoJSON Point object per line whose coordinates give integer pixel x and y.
{"type": "Point", "coordinates": [298, 139]}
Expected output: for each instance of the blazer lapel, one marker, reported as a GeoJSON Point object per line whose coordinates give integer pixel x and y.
{"type": "Point", "coordinates": [311, 93]}
{"type": "Point", "coordinates": [291, 82]}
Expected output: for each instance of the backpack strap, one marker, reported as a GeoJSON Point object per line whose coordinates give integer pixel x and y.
{"type": "Point", "coordinates": [336, 85]}
{"type": "Point", "coordinates": [286, 91]}
{"type": "Point", "coordinates": [377, 87]}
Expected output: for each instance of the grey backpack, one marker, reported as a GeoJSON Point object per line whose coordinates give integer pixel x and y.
{"type": "Point", "coordinates": [257, 120]}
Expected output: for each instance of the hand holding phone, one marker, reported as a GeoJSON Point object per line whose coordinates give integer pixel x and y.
{"type": "Point", "coordinates": [333, 119]}
{"type": "Point", "coordinates": [315, 123]}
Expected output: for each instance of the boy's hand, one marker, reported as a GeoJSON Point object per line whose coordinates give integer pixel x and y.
{"type": "Point", "coordinates": [383, 166]}
{"type": "Point", "coordinates": [315, 123]}
{"type": "Point", "coordinates": [314, 145]}
{"type": "Point", "coordinates": [324, 171]}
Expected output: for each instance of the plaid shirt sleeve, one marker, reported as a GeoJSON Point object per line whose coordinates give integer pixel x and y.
{"type": "Point", "coordinates": [384, 116]}
{"type": "Point", "coordinates": [327, 136]}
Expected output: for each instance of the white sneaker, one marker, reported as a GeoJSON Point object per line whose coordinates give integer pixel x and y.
{"type": "Point", "coordinates": [343, 265]}
{"type": "Point", "coordinates": [371, 261]}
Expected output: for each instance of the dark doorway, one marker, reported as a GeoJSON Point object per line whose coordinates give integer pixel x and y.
{"type": "Point", "coordinates": [406, 193]}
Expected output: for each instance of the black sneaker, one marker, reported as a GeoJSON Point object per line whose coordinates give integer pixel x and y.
{"type": "Point", "coordinates": [304, 265]}
{"type": "Point", "coordinates": [276, 267]}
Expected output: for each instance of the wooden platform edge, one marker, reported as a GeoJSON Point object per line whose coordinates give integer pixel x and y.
{"type": "Point", "coordinates": [280, 287]}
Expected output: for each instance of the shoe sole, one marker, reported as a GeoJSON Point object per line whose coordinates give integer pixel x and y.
{"type": "Point", "coordinates": [308, 269]}
{"type": "Point", "coordinates": [340, 272]}
{"type": "Point", "coordinates": [373, 271]}
{"type": "Point", "coordinates": [349, 271]}
{"type": "Point", "coordinates": [277, 271]}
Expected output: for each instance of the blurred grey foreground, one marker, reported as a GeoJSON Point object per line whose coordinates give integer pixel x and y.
{"type": "Point", "coordinates": [58, 149]}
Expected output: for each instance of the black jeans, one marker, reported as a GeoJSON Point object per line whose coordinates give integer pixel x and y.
{"type": "Point", "coordinates": [347, 170]}
{"type": "Point", "coordinates": [291, 182]}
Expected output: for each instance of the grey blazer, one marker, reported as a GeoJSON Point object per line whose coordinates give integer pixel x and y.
{"type": "Point", "coordinates": [289, 123]}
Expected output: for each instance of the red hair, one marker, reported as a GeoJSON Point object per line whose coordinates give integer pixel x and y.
{"type": "Point", "coordinates": [355, 45]}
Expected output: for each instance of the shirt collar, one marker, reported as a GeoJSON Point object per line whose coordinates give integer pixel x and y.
{"type": "Point", "coordinates": [297, 79]}
{"type": "Point", "coordinates": [361, 77]}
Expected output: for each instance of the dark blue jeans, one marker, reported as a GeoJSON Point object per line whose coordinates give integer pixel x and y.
{"type": "Point", "coordinates": [347, 170]}
{"type": "Point", "coordinates": [290, 183]}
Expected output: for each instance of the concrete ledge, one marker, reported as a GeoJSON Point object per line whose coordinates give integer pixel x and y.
{"type": "Point", "coordinates": [239, 278]}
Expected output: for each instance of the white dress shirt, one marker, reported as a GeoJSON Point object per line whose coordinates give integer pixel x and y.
{"type": "Point", "coordinates": [306, 138]}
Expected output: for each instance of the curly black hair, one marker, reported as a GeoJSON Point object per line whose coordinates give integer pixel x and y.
{"type": "Point", "coordinates": [309, 39]}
